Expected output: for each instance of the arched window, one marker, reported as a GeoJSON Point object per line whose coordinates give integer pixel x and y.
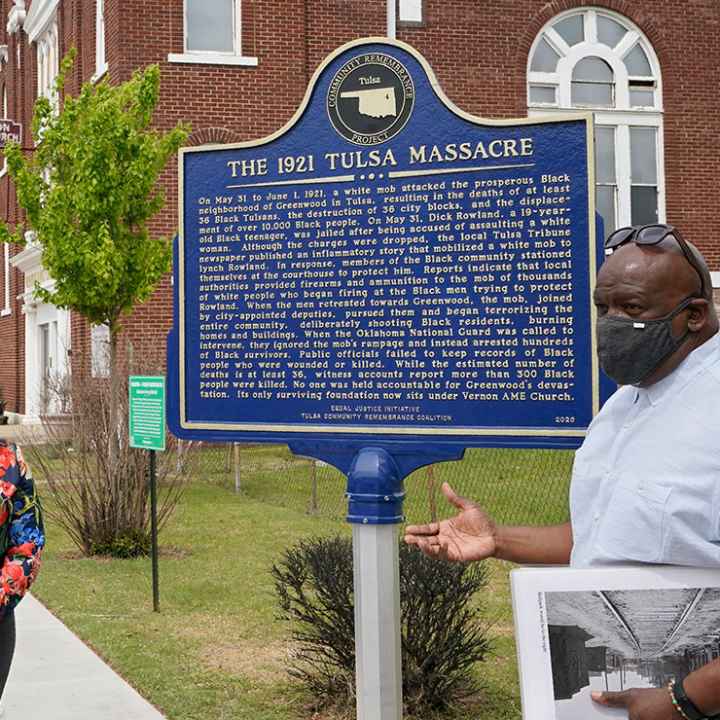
{"type": "Point", "coordinates": [596, 60]}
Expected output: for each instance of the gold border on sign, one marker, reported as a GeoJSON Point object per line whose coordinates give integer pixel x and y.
{"type": "Point", "coordinates": [476, 120]}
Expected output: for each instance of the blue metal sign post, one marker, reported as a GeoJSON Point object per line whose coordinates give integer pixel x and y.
{"type": "Point", "coordinates": [382, 283]}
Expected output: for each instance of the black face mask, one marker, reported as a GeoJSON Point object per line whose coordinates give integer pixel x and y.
{"type": "Point", "coordinates": [629, 349]}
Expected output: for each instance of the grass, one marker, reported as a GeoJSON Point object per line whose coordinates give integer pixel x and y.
{"type": "Point", "coordinates": [515, 486]}
{"type": "Point", "coordinates": [216, 649]}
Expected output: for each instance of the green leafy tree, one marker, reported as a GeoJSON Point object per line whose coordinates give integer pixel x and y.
{"type": "Point", "coordinates": [89, 190]}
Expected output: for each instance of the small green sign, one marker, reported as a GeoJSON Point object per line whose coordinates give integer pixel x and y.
{"type": "Point", "coordinates": [147, 412]}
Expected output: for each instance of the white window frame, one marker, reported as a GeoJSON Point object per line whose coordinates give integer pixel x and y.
{"type": "Point", "coordinates": [6, 309]}
{"type": "Point", "coordinates": [48, 65]}
{"type": "Point", "coordinates": [623, 116]}
{"type": "Point", "coordinates": [101, 65]}
{"type": "Point", "coordinates": [213, 57]}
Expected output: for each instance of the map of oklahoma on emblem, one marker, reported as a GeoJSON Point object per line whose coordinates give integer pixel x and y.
{"type": "Point", "coordinates": [370, 99]}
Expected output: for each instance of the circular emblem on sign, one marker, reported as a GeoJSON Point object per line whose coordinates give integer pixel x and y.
{"type": "Point", "coordinates": [370, 98]}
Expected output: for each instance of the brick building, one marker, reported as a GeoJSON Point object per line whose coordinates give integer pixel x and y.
{"type": "Point", "coordinates": [237, 70]}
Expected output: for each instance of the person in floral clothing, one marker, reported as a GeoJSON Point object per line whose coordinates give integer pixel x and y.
{"type": "Point", "coordinates": [21, 541]}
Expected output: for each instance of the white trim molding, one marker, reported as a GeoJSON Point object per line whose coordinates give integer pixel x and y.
{"type": "Point", "coordinates": [29, 259]}
{"type": "Point", "coordinates": [213, 59]}
{"type": "Point", "coordinates": [39, 18]}
{"type": "Point", "coordinates": [16, 16]}
{"type": "Point", "coordinates": [715, 277]}
{"type": "Point", "coordinates": [392, 11]}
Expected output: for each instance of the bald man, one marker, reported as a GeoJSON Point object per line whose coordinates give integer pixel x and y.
{"type": "Point", "coordinates": [646, 481]}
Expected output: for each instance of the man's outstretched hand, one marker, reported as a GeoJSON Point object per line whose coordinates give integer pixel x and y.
{"type": "Point", "coordinates": [640, 704]}
{"type": "Point", "coordinates": [470, 535]}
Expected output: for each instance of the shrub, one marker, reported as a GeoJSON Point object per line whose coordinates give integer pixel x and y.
{"type": "Point", "coordinates": [130, 544]}
{"type": "Point", "coordinates": [442, 630]}
{"type": "Point", "coordinates": [104, 506]}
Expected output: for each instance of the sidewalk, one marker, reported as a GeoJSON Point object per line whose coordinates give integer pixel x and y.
{"type": "Point", "coordinates": [55, 676]}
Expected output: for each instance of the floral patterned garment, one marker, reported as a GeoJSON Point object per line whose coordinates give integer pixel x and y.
{"type": "Point", "coordinates": [21, 527]}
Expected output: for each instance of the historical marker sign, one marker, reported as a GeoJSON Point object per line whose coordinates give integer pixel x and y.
{"type": "Point", "coordinates": [388, 265]}
{"type": "Point", "coordinates": [147, 412]}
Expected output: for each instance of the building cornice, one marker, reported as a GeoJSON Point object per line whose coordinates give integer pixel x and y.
{"type": "Point", "coordinates": [16, 17]}
{"type": "Point", "coordinates": [29, 259]}
{"type": "Point", "coordinates": [39, 17]}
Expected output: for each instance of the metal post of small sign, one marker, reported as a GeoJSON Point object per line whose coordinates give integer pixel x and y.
{"type": "Point", "coordinates": [154, 532]}
{"type": "Point", "coordinates": [147, 432]}
{"type": "Point", "coordinates": [236, 459]}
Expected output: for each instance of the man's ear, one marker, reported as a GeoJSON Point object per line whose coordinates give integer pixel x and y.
{"type": "Point", "coordinates": [699, 313]}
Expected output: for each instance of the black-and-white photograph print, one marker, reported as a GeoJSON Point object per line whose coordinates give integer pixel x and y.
{"type": "Point", "coordinates": [620, 639]}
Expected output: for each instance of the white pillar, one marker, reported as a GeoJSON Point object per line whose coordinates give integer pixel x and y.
{"type": "Point", "coordinates": [32, 387]}
{"type": "Point", "coordinates": [391, 19]}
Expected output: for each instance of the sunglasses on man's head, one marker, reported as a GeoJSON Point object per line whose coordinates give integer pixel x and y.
{"type": "Point", "coordinates": [653, 235]}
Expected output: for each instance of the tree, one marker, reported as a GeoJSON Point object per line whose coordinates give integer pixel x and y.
{"type": "Point", "coordinates": [89, 190]}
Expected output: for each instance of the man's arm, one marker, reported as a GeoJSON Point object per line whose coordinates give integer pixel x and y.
{"type": "Point", "coordinates": [702, 687]}
{"type": "Point", "coordinates": [546, 545]}
{"type": "Point", "coordinates": [473, 535]}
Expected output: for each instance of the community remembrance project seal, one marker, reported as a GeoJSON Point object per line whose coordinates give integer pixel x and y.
{"type": "Point", "coordinates": [370, 98]}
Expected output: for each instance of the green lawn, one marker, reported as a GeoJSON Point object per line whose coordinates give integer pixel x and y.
{"type": "Point", "coordinates": [216, 650]}
{"type": "Point", "coordinates": [515, 486]}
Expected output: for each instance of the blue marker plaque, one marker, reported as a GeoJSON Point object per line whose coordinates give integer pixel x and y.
{"type": "Point", "coordinates": [388, 268]}
{"type": "Point", "coordinates": [382, 283]}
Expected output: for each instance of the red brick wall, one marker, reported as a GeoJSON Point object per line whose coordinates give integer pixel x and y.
{"type": "Point", "coordinates": [12, 335]}
{"type": "Point", "coordinates": [478, 50]}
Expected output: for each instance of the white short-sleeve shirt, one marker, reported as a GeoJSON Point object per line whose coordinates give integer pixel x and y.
{"type": "Point", "coordinates": [646, 481]}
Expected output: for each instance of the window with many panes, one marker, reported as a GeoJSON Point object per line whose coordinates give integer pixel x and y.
{"type": "Point", "coordinates": [212, 33]}
{"type": "Point", "coordinates": [598, 61]}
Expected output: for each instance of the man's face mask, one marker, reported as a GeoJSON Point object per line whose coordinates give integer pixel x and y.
{"type": "Point", "coordinates": [630, 350]}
